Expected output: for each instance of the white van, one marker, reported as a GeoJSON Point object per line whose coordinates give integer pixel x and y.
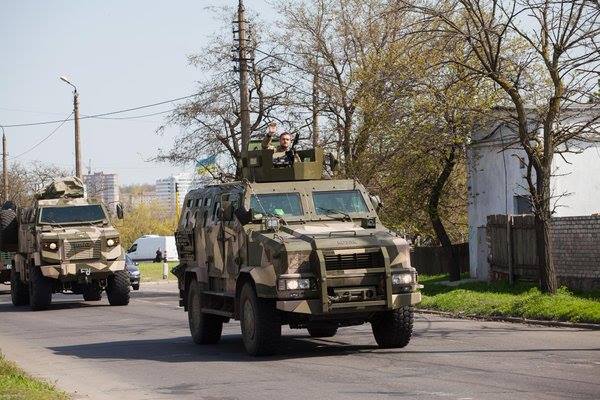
{"type": "Point", "coordinates": [144, 248]}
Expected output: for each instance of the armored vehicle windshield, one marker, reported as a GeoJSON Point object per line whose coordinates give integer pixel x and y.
{"type": "Point", "coordinates": [65, 215]}
{"type": "Point", "coordinates": [339, 201]}
{"type": "Point", "coordinates": [281, 204]}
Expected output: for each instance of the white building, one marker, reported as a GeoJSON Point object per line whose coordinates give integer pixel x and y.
{"type": "Point", "coordinates": [497, 185]}
{"type": "Point", "coordinates": [183, 183]}
{"type": "Point", "coordinates": [102, 187]}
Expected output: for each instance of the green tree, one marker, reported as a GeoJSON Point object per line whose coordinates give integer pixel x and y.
{"type": "Point", "coordinates": [145, 219]}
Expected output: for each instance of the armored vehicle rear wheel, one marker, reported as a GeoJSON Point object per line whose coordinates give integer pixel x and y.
{"type": "Point", "coordinates": [40, 289]}
{"type": "Point", "coordinates": [92, 292]}
{"type": "Point", "coordinates": [260, 322]}
{"type": "Point", "coordinates": [117, 288]}
{"type": "Point", "coordinates": [8, 230]}
{"type": "Point", "coordinates": [205, 328]}
{"type": "Point", "coordinates": [322, 331]}
{"type": "Point", "coordinates": [393, 329]}
{"type": "Point", "coordinates": [19, 293]}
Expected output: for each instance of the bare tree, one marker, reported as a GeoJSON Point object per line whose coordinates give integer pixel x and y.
{"type": "Point", "coordinates": [211, 121]}
{"type": "Point", "coordinates": [24, 182]}
{"type": "Point", "coordinates": [545, 56]}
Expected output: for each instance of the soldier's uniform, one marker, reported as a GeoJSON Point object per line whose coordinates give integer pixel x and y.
{"type": "Point", "coordinates": [278, 151]}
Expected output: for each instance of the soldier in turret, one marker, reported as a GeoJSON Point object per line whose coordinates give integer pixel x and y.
{"type": "Point", "coordinates": [281, 153]}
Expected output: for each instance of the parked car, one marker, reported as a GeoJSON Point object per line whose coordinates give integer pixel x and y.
{"type": "Point", "coordinates": [133, 271]}
{"type": "Point", "coordinates": [144, 248]}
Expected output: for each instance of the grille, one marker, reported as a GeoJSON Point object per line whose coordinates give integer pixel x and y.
{"type": "Point", "coordinates": [82, 250]}
{"type": "Point", "coordinates": [353, 261]}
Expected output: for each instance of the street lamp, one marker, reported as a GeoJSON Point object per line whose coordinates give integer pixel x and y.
{"type": "Point", "coordinates": [76, 120]}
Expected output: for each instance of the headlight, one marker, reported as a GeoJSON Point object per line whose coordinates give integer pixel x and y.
{"type": "Point", "coordinates": [295, 284]}
{"type": "Point", "coordinates": [112, 242]}
{"type": "Point", "coordinates": [52, 246]}
{"type": "Point", "coordinates": [271, 223]}
{"type": "Point", "coordinates": [402, 279]}
{"type": "Point", "coordinates": [135, 273]}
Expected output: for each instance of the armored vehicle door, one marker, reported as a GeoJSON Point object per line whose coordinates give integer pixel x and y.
{"type": "Point", "coordinates": [231, 237]}
{"type": "Point", "coordinates": [26, 218]}
{"type": "Point", "coordinates": [212, 232]}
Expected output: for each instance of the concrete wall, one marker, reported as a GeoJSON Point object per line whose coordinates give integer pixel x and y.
{"type": "Point", "coordinates": [496, 177]}
{"type": "Point", "coordinates": [577, 180]}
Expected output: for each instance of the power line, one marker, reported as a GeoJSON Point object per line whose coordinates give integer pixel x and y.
{"type": "Point", "coordinates": [102, 114]}
{"type": "Point", "coordinates": [139, 116]}
{"type": "Point", "coordinates": [44, 139]}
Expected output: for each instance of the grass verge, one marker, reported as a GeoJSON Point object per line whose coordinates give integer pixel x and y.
{"type": "Point", "coordinates": [17, 385]}
{"type": "Point", "coordinates": [153, 272]}
{"type": "Point", "coordinates": [499, 299]}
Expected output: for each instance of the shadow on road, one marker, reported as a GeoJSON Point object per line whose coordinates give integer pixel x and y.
{"type": "Point", "coordinates": [230, 348]}
{"type": "Point", "coordinates": [182, 349]}
{"type": "Point", "coordinates": [58, 305]}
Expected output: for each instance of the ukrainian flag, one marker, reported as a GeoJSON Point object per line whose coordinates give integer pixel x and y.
{"type": "Point", "coordinates": [206, 165]}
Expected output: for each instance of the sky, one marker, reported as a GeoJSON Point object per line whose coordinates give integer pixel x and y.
{"type": "Point", "coordinates": [119, 54]}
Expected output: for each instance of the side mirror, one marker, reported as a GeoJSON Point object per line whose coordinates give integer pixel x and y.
{"type": "Point", "coordinates": [119, 208]}
{"type": "Point", "coordinates": [376, 201]}
{"type": "Point", "coordinates": [243, 215]}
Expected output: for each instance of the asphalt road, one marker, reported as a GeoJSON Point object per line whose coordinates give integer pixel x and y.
{"type": "Point", "coordinates": [143, 351]}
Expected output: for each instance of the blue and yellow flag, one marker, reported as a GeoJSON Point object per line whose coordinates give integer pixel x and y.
{"type": "Point", "coordinates": [206, 165]}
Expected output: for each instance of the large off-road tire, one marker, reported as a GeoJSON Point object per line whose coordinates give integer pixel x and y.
{"type": "Point", "coordinates": [40, 289]}
{"type": "Point", "coordinates": [393, 329]}
{"type": "Point", "coordinates": [117, 288]}
{"type": "Point", "coordinates": [8, 230]}
{"type": "Point", "coordinates": [92, 292]}
{"type": "Point", "coordinates": [205, 328]}
{"type": "Point", "coordinates": [19, 292]}
{"type": "Point", "coordinates": [322, 331]}
{"type": "Point", "coordinates": [260, 322]}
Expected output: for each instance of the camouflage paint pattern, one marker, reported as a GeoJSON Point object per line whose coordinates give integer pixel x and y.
{"type": "Point", "coordinates": [81, 250]}
{"type": "Point", "coordinates": [219, 252]}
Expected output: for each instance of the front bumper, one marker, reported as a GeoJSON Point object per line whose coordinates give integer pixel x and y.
{"type": "Point", "coordinates": [73, 270]}
{"type": "Point", "coordinates": [314, 306]}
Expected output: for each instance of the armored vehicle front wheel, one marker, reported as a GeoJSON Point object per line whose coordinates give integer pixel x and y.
{"type": "Point", "coordinates": [322, 331]}
{"type": "Point", "coordinates": [393, 329]}
{"type": "Point", "coordinates": [117, 288]}
{"type": "Point", "coordinates": [205, 328]}
{"type": "Point", "coordinates": [19, 293]}
{"type": "Point", "coordinates": [260, 321]}
{"type": "Point", "coordinates": [40, 289]}
{"type": "Point", "coordinates": [92, 292]}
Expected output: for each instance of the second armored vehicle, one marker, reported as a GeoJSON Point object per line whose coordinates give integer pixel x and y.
{"type": "Point", "coordinates": [65, 244]}
{"type": "Point", "coordinates": [286, 247]}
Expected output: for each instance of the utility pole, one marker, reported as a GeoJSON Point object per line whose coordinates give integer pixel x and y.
{"type": "Point", "coordinates": [78, 172]}
{"type": "Point", "coordinates": [243, 69]}
{"type": "Point", "coordinates": [315, 104]}
{"type": "Point", "coordinates": [4, 167]}
{"type": "Point", "coordinates": [78, 169]}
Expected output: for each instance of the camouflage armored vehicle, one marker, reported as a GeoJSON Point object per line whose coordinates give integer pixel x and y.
{"type": "Point", "coordinates": [286, 247]}
{"type": "Point", "coordinates": [65, 244]}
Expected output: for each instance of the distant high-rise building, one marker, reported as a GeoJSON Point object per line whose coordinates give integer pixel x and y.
{"type": "Point", "coordinates": [166, 188]}
{"type": "Point", "coordinates": [102, 187]}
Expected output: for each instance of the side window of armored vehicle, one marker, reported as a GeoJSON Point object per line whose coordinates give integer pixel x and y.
{"type": "Point", "coordinates": [215, 210]}
{"type": "Point", "coordinates": [189, 203]}
{"type": "Point", "coordinates": [186, 220]}
{"type": "Point", "coordinates": [198, 202]}
{"type": "Point", "coordinates": [204, 218]}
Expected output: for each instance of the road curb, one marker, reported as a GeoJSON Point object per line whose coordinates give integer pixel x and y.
{"type": "Point", "coordinates": [558, 324]}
